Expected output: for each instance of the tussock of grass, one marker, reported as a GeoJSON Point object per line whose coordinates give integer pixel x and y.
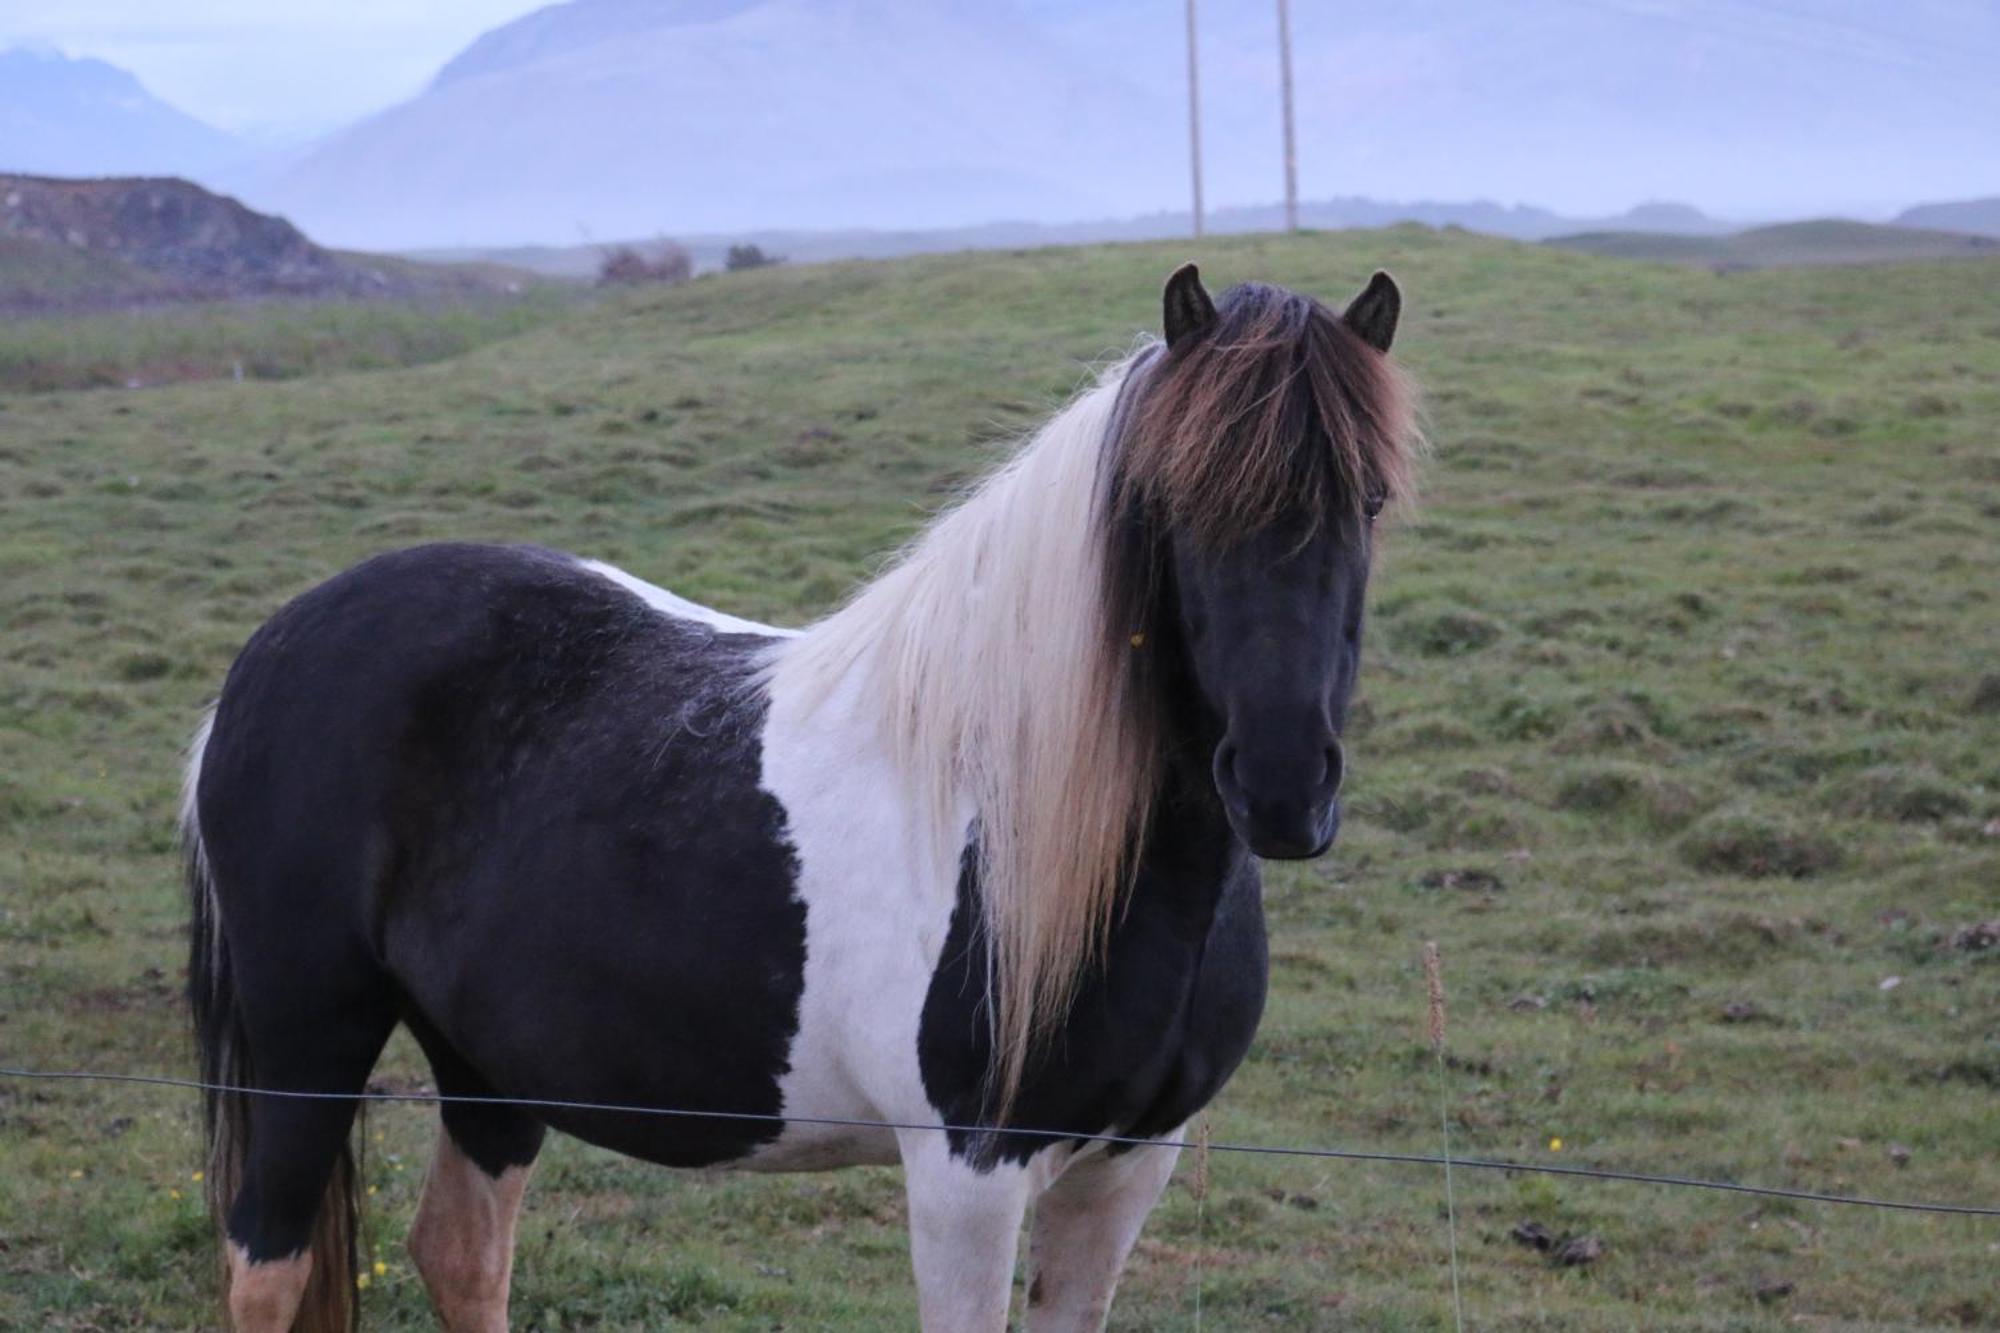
{"type": "Point", "coordinates": [1741, 842]}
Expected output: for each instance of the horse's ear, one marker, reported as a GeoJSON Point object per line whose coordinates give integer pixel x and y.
{"type": "Point", "coordinates": [1188, 309]}
{"type": "Point", "coordinates": [1373, 314]}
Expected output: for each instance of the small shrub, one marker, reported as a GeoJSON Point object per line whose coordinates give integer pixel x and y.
{"type": "Point", "coordinates": [625, 266]}
{"type": "Point", "coordinates": [1737, 842]}
{"type": "Point", "coordinates": [742, 257]}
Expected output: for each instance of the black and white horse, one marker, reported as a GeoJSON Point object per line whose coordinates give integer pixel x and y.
{"type": "Point", "coordinates": [975, 852]}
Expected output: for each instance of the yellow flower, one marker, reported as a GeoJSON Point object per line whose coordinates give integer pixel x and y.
{"type": "Point", "coordinates": [1555, 1145]}
{"type": "Point", "coordinates": [371, 1189]}
{"type": "Point", "coordinates": [76, 1175]}
{"type": "Point", "coordinates": [380, 1268]}
{"type": "Point", "coordinates": [173, 1194]}
{"type": "Point", "coordinates": [196, 1177]}
{"type": "Point", "coordinates": [361, 1282]}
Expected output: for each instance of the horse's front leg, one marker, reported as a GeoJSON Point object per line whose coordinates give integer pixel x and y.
{"type": "Point", "coordinates": [964, 1227]}
{"type": "Point", "coordinates": [1085, 1225]}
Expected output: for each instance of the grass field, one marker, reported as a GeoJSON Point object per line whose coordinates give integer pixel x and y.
{"type": "Point", "coordinates": [1820, 242]}
{"type": "Point", "coordinates": [1680, 733]}
{"type": "Point", "coordinates": [184, 342]}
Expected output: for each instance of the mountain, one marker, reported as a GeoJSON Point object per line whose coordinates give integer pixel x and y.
{"type": "Point", "coordinates": [1980, 217]}
{"type": "Point", "coordinates": [627, 117]}
{"type": "Point", "coordinates": [601, 118]}
{"type": "Point", "coordinates": [1819, 242]}
{"type": "Point", "coordinates": [87, 118]}
{"type": "Point", "coordinates": [115, 242]}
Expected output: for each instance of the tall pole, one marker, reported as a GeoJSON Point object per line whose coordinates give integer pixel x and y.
{"type": "Point", "coordinates": [1291, 143]}
{"type": "Point", "coordinates": [1194, 118]}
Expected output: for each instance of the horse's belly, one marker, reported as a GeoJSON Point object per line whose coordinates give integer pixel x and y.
{"type": "Point", "coordinates": [749, 972]}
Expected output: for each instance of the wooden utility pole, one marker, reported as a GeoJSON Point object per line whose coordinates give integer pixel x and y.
{"type": "Point", "coordinates": [1194, 117]}
{"type": "Point", "coordinates": [1285, 86]}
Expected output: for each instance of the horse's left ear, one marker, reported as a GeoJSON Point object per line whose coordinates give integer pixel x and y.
{"type": "Point", "coordinates": [1188, 309]}
{"type": "Point", "coordinates": [1373, 314]}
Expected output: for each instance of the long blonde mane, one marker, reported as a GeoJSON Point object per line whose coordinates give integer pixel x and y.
{"type": "Point", "coordinates": [1003, 696]}
{"type": "Point", "coordinates": [996, 649]}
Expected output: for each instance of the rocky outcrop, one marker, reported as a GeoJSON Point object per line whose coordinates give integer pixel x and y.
{"type": "Point", "coordinates": [200, 244]}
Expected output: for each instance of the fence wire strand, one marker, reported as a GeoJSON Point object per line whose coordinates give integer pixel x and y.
{"type": "Point", "coordinates": [1052, 1135]}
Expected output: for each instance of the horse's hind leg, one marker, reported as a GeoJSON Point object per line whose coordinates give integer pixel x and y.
{"type": "Point", "coordinates": [462, 1241]}
{"type": "Point", "coordinates": [1085, 1224]}
{"type": "Point", "coordinates": [290, 1213]}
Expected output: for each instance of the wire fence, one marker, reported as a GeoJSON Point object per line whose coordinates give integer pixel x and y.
{"type": "Point", "coordinates": [1050, 1135]}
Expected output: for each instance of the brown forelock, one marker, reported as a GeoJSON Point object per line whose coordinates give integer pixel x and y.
{"type": "Point", "coordinates": [1277, 409]}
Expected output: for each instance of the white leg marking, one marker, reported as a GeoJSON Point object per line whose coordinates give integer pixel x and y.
{"type": "Point", "coordinates": [964, 1229]}
{"type": "Point", "coordinates": [264, 1298]}
{"type": "Point", "coordinates": [1085, 1225]}
{"type": "Point", "coordinates": [463, 1239]}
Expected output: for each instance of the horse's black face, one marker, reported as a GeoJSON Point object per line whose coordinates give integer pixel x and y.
{"type": "Point", "coordinates": [1271, 439]}
{"type": "Point", "coordinates": [1273, 633]}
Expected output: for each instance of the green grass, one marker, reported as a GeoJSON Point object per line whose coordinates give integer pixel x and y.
{"type": "Point", "coordinates": [1691, 658]}
{"type": "Point", "coordinates": [38, 275]}
{"type": "Point", "coordinates": [260, 340]}
{"type": "Point", "coordinates": [1819, 241]}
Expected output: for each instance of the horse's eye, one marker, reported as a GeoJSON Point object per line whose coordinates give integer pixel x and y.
{"type": "Point", "coordinates": [1372, 506]}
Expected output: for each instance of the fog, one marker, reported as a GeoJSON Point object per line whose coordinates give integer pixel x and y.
{"type": "Point", "coordinates": [635, 117]}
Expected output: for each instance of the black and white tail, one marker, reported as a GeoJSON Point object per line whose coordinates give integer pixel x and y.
{"type": "Point", "coordinates": [329, 1305]}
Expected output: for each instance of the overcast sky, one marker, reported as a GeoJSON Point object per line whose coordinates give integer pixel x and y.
{"type": "Point", "coordinates": [265, 68]}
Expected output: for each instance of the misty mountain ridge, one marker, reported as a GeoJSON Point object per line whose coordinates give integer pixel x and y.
{"type": "Point", "coordinates": [1978, 217]}
{"type": "Point", "coordinates": [60, 116]}
{"type": "Point", "coordinates": [602, 118]}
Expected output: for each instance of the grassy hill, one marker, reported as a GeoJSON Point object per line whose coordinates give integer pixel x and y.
{"type": "Point", "coordinates": [1824, 241]}
{"type": "Point", "coordinates": [41, 275]}
{"type": "Point", "coordinates": [1680, 733]}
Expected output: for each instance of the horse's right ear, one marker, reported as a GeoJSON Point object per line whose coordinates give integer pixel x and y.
{"type": "Point", "coordinates": [1188, 310]}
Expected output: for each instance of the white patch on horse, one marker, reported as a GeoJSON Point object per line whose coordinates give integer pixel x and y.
{"type": "Point", "coordinates": [994, 686]}
{"type": "Point", "coordinates": [681, 608]}
{"type": "Point", "coordinates": [870, 955]}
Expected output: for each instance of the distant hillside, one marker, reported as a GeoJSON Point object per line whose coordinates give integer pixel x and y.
{"type": "Point", "coordinates": [86, 118]}
{"type": "Point", "coordinates": [1980, 217]}
{"type": "Point", "coordinates": [96, 243]}
{"type": "Point", "coordinates": [1518, 222]}
{"type": "Point", "coordinates": [1826, 241]}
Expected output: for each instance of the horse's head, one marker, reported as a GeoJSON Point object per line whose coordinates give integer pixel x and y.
{"type": "Point", "coordinates": [1259, 448]}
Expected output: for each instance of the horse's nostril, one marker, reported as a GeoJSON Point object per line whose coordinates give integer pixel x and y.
{"type": "Point", "coordinates": [1225, 767]}
{"type": "Point", "coordinates": [1336, 766]}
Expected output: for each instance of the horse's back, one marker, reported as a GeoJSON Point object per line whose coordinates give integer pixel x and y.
{"type": "Point", "coordinates": [527, 796]}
